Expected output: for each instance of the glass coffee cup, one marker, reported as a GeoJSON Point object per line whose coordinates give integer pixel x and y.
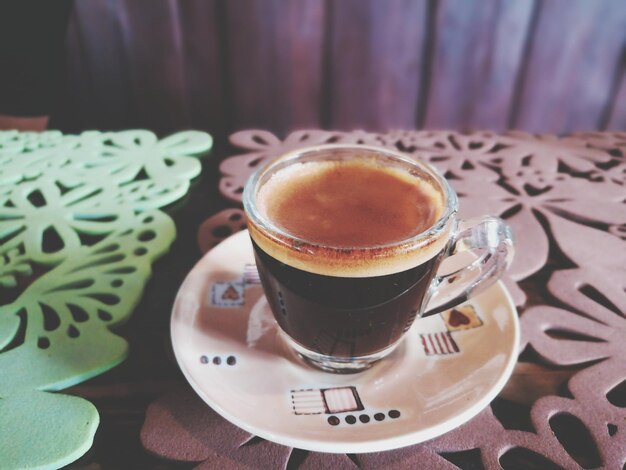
{"type": "Point", "coordinates": [348, 240]}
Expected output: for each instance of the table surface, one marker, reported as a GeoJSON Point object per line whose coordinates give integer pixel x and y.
{"type": "Point", "coordinates": [565, 200]}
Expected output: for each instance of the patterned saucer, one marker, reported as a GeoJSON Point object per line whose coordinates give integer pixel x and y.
{"type": "Point", "coordinates": [447, 369]}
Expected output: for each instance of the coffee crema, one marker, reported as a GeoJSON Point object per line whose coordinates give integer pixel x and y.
{"type": "Point", "coordinates": [349, 204]}
{"type": "Point", "coordinates": [350, 213]}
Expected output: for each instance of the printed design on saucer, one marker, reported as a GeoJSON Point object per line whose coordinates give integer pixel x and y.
{"type": "Point", "coordinates": [464, 317]}
{"type": "Point", "coordinates": [315, 401]}
{"type": "Point", "coordinates": [336, 400]}
{"type": "Point", "coordinates": [218, 360]}
{"type": "Point", "coordinates": [441, 342]}
{"type": "Point", "coordinates": [232, 294]}
{"type": "Point", "coordinates": [438, 344]}
{"type": "Point", "coordinates": [228, 294]}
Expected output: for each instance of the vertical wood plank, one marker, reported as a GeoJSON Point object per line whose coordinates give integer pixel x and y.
{"type": "Point", "coordinates": [477, 54]}
{"type": "Point", "coordinates": [275, 63]}
{"type": "Point", "coordinates": [377, 60]}
{"type": "Point", "coordinates": [154, 55]}
{"type": "Point", "coordinates": [202, 65]}
{"type": "Point", "coordinates": [575, 50]}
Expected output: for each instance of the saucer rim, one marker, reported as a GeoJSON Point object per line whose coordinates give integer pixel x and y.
{"type": "Point", "coordinates": [362, 446]}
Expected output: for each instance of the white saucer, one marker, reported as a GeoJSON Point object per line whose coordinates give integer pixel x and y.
{"type": "Point", "coordinates": [227, 345]}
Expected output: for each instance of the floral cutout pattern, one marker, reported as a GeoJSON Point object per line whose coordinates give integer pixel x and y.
{"type": "Point", "coordinates": [531, 176]}
{"type": "Point", "coordinates": [565, 199]}
{"type": "Point", "coordinates": [79, 229]}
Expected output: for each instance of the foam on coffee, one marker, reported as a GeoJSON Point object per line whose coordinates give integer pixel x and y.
{"type": "Point", "coordinates": [355, 216]}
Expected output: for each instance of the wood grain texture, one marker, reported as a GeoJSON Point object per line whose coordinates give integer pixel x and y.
{"type": "Point", "coordinates": [478, 51]}
{"type": "Point", "coordinates": [275, 62]}
{"type": "Point", "coordinates": [575, 50]}
{"type": "Point", "coordinates": [376, 63]}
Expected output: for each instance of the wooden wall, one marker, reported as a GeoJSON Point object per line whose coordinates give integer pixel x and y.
{"type": "Point", "coordinates": [217, 65]}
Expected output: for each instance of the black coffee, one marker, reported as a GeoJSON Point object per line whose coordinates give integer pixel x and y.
{"type": "Point", "coordinates": [344, 275]}
{"type": "Point", "coordinates": [343, 316]}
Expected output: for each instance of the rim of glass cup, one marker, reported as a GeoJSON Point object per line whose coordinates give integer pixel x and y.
{"type": "Point", "coordinates": [280, 236]}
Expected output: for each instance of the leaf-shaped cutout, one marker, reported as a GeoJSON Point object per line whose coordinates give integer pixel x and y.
{"type": "Point", "coordinates": [52, 241]}
{"type": "Point", "coordinates": [306, 460]}
{"type": "Point", "coordinates": [76, 285]}
{"type": "Point", "coordinates": [78, 313]}
{"type": "Point", "coordinates": [564, 334]}
{"type": "Point", "coordinates": [107, 248]}
{"type": "Point", "coordinates": [36, 198]}
{"type": "Point", "coordinates": [221, 231]}
{"type": "Point", "coordinates": [519, 458]}
{"type": "Point", "coordinates": [611, 429]}
{"type": "Point", "coordinates": [253, 440]}
{"type": "Point", "coordinates": [12, 329]}
{"type": "Point", "coordinates": [617, 395]}
{"type": "Point", "coordinates": [297, 457]}
{"type": "Point", "coordinates": [464, 459]}
{"type": "Point", "coordinates": [107, 299]}
{"type": "Point", "coordinates": [467, 165]}
{"type": "Point", "coordinates": [51, 320]}
{"type": "Point", "coordinates": [512, 415]}
{"type": "Point", "coordinates": [104, 315]}
{"type": "Point", "coordinates": [576, 439]}
{"type": "Point", "coordinates": [146, 235]}
{"type": "Point", "coordinates": [597, 296]}
{"type": "Point", "coordinates": [254, 140]}
{"type": "Point", "coordinates": [73, 332]}
{"type": "Point", "coordinates": [95, 289]}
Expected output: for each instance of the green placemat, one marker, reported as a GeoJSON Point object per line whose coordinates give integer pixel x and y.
{"type": "Point", "coordinates": [79, 229]}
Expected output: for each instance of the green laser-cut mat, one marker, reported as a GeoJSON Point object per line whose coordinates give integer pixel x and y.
{"type": "Point", "coordinates": [80, 226]}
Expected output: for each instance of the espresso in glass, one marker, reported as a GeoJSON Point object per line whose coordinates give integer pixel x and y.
{"type": "Point", "coordinates": [347, 242]}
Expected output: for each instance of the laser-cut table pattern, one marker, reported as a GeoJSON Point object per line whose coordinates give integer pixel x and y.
{"type": "Point", "coordinates": [80, 227]}
{"type": "Point", "coordinates": [565, 405]}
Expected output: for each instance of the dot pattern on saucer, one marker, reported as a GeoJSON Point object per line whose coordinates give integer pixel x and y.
{"type": "Point", "coordinates": [218, 360]}
{"type": "Point", "coordinates": [363, 418]}
{"type": "Point", "coordinates": [333, 401]}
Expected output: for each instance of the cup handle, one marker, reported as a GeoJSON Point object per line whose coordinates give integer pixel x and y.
{"type": "Point", "coordinates": [490, 239]}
